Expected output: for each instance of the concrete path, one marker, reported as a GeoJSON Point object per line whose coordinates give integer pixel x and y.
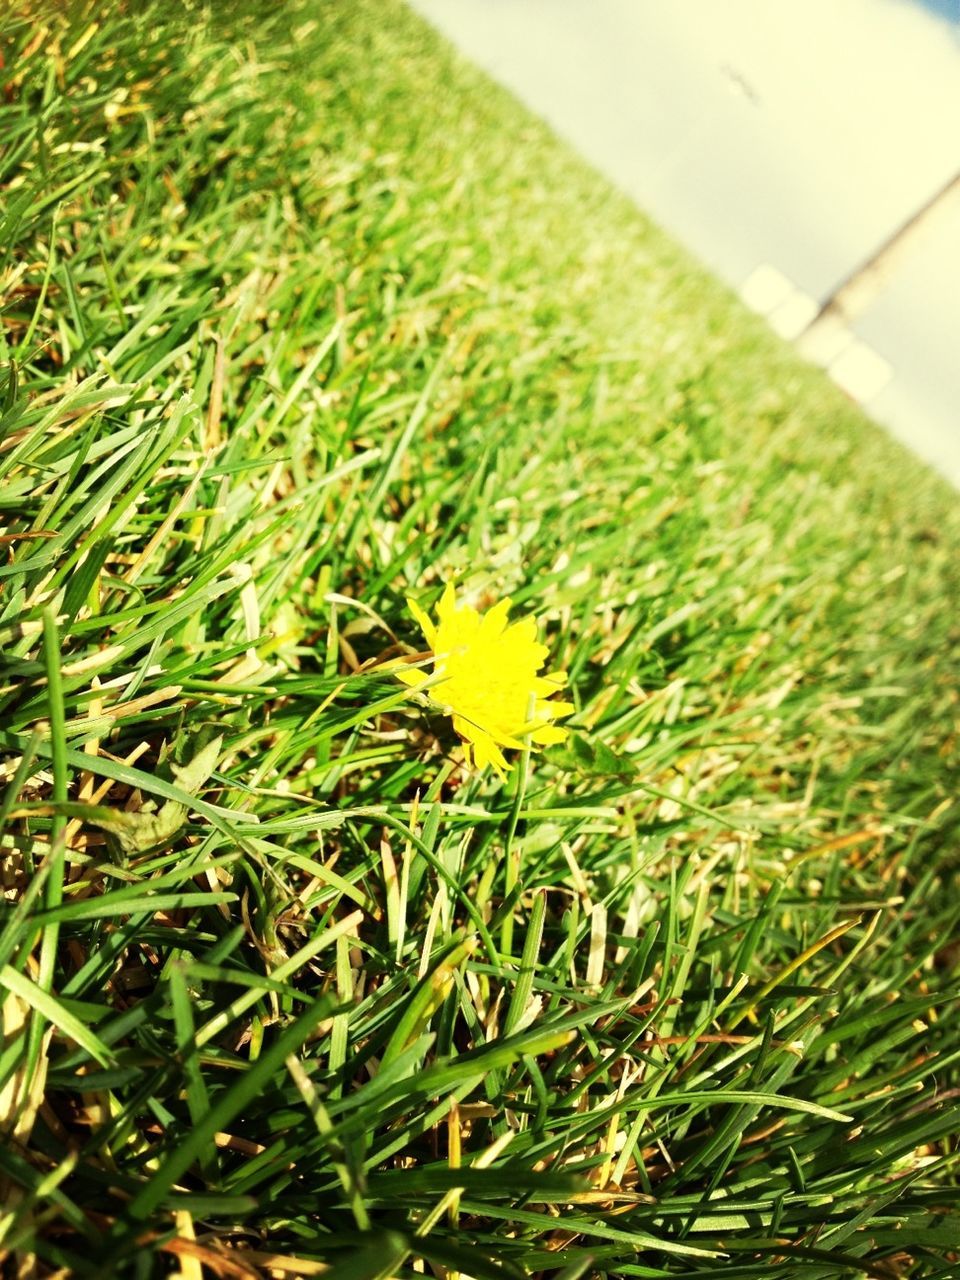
{"type": "Point", "coordinates": [790, 144]}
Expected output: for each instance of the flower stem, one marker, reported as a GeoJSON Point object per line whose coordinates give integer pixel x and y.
{"type": "Point", "coordinates": [513, 855]}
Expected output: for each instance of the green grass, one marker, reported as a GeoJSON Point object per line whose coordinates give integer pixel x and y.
{"type": "Point", "coordinates": [300, 316]}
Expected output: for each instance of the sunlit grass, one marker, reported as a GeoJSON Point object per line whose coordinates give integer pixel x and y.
{"type": "Point", "coordinates": [301, 317]}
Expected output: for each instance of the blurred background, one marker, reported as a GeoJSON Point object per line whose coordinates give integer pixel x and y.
{"type": "Point", "coordinates": [807, 151]}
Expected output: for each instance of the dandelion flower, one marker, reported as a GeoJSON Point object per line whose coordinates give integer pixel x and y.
{"type": "Point", "coordinates": [484, 675]}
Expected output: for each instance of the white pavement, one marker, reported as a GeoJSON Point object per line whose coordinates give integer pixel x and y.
{"type": "Point", "coordinates": [785, 142]}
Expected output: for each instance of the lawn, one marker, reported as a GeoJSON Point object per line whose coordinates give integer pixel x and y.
{"type": "Point", "coordinates": [301, 318]}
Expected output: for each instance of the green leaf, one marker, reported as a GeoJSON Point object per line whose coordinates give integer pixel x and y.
{"type": "Point", "coordinates": [132, 832]}
{"type": "Point", "coordinates": [66, 1022]}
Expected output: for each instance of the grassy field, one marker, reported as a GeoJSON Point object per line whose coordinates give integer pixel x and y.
{"type": "Point", "coordinates": [300, 318]}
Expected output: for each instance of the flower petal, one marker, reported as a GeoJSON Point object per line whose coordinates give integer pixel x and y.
{"type": "Point", "coordinates": [549, 733]}
{"type": "Point", "coordinates": [524, 632]}
{"type": "Point", "coordinates": [486, 751]}
{"type": "Point", "coordinates": [447, 605]}
{"type": "Point", "coordinates": [412, 676]}
{"type": "Point", "coordinates": [495, 619]}
{"type": "Point", "coordinates": [554, 710]}
{"type": "Point", "coordinates": [424, 623]}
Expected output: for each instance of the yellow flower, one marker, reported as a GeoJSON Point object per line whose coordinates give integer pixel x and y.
{"type": "Point", "coordinates": [485, 676]}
